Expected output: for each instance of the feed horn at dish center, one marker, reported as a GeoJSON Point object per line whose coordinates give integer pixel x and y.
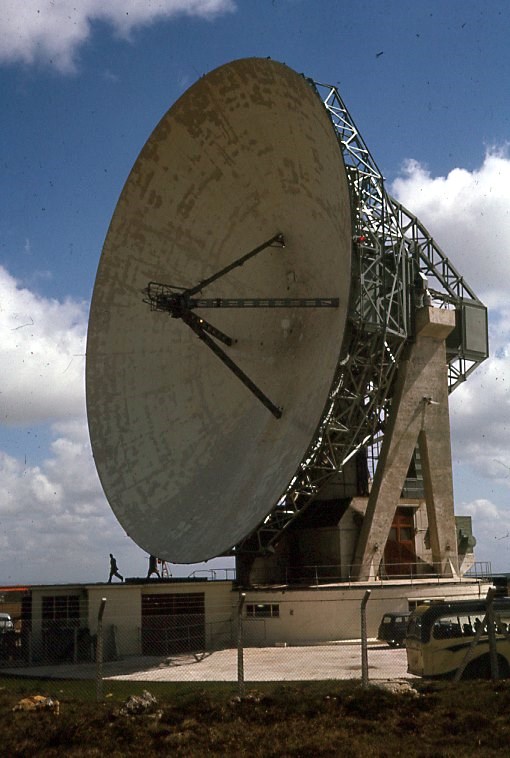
{"type": "Point", "coordinates": [264, 320]}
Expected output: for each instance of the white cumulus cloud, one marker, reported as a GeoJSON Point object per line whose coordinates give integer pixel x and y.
{"type": "Point", "coordinates": [468, 214]}
{"type": "Point", "coordinates": [54, 30]}
{"type": "Point", "coordinates": [54, 519]}
{"type": "Point", "coordinates": [492, 531]}
{"type": "Point", "coordinates": [42, 355]}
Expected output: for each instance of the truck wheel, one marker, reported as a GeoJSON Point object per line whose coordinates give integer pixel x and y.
{"type": "Point", "coordinates": [480, 668]}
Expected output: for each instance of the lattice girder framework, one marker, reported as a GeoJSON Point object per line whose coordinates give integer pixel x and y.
{"type": "Point", "coordinates": [390, 247]}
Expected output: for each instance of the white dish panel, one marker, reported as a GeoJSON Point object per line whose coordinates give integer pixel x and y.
{"type": "Point", "coordinates": [190, 461]}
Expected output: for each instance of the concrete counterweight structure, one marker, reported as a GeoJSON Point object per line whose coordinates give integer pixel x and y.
{"type": "Point", "coordinates": [419, 417]}
{"type": "Point", "coordinates": [404, 526]}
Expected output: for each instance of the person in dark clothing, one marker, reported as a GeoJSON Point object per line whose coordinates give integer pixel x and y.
{"type": "Point", "coordinates": [114, 571]}
{"type": "Point", "coordinates": [153, 567]}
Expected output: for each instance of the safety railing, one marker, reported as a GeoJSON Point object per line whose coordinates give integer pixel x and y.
{"type": "Point", "coordinates": [315, 574]}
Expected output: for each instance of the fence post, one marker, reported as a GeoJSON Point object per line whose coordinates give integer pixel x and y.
{"type": "Point", "coordinates": [364, 641]}
{"type": "Point", "coordinates": [491, 631]}
{"type": "Point", "coordinates": [99, 652]}
{"type": "Point", "coordinates": [240, 650]}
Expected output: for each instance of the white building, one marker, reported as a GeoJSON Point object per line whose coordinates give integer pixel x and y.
{"type": "Point", "coordinates": [165, 617]}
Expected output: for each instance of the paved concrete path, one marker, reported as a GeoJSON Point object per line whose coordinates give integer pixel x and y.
{"type": "Point", "coordinates": [270, 664]}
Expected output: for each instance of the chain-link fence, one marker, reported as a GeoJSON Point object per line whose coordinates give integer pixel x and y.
{"type": "Point", "coordinates": [174, 638]}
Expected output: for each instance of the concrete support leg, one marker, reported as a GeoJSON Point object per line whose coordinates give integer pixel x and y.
{"type": "Point", "coordinates": [419, 414]}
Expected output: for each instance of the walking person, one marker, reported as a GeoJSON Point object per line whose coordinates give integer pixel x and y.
{"type": "Point", "coordinates": [114, 570]}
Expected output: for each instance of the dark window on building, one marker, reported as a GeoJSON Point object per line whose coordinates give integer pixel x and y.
{"type": "Point", "coordinates": [262, 610]}
{"type": "Point", "coordinates": [63, 609]}
{"type": "Point", "coordinates": [173, 604]}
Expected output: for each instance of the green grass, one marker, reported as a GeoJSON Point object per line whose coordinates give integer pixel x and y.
{"type": "Point", "coordinates": [117, 691]}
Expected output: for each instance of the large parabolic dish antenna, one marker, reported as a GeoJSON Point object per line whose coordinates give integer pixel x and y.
{"type": "Point", "coordinates": [256, 292]}
{"type": "Point", "coordinates": [219, 311]}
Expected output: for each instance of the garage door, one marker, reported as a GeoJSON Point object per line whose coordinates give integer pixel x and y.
{"type": "Point", "coordinates": [173, 623]}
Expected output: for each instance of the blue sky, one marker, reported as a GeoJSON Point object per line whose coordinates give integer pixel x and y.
{"type": "Point", "coordinates": [82, 86]}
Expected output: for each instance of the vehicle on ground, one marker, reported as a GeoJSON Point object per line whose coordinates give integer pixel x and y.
{"type": "Point", "coordinates": [392, 628]}
{"type": "Point", "coordinates": [440, 636]}
{"type": "Point", "coordinates": [5, 622]}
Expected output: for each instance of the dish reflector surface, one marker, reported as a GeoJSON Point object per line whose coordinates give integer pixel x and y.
{"type": "Point", "coordinates": [190, 461]}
